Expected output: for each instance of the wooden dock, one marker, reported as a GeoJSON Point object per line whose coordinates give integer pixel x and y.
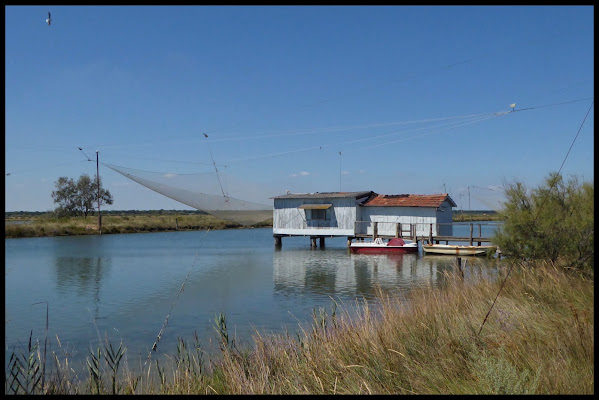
{"type": "Point", "coordinates": [407, 231]}
{"type": "Point", "coordinates": [434, 239]}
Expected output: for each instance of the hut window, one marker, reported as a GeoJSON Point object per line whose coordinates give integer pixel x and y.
{"type": "Point", "coordinates": [319, 214]}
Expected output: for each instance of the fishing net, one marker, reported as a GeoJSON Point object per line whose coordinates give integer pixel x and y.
{"type": "Point", "coordinates": [208, 192]}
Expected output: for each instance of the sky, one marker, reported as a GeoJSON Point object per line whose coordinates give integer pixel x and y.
{"type": "Point", "coordinates": [393, 99]}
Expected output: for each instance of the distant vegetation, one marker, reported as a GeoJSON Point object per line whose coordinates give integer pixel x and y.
{"type": "Point", "coordinates": [47, 223]}
{"type": "Point", "coordinates": [79, 198]}
{"type": "Point", "coordinates": [473, 215]}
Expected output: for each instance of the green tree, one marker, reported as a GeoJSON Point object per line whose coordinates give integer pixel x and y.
{"type": "Point", "coordinates": [553, 222]}
{"type": "Point", "coordinates": [79, 198]}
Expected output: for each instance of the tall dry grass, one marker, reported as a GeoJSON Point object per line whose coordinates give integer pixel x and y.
{"type": "Point", "coordinates": [537, 339]}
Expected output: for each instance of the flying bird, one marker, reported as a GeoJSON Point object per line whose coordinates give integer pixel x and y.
{"type": "Point", "coordinates": [49, 20]}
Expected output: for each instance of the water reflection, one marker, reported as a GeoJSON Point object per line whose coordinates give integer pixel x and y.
{"type": "Point", "coordinates": [84, 274]}
{"type": "Point", "coordinates": [338, 273]}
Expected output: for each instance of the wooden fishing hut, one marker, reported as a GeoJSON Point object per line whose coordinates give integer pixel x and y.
{"type": "Point", "coordinates": [406, 215]}
{"type": "Point", "coordinates": [359, 215]}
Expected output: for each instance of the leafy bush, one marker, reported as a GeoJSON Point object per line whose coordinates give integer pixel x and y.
{"type": "Point", "coordinates": [553, 222]}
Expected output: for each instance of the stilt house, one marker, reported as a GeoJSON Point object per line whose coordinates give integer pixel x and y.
{"type": "Point", "coordinates": [353, 214]}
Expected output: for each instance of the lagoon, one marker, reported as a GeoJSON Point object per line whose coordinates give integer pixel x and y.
{"type": "Point", "coordinates": [124, 286]}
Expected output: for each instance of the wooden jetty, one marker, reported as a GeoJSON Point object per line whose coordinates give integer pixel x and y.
{"type": "Point", "coordinates": [405, 231]}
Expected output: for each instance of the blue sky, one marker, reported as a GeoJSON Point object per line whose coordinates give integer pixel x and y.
{"type": "Point", "coordinates": [416, 99]}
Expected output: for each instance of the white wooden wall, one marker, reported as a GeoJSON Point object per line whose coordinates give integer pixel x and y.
{"type": "Point", "coordinates": [288, 219]}
{"type": "Point", "coordinates": [388, 217]}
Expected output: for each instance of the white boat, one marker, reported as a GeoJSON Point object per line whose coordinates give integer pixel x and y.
{"type": "Point", "coordinates": [457, 250]}
{"type": "Point", "coordinates": [380, 245]}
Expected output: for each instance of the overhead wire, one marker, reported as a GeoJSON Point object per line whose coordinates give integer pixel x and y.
{"type": "Point", "coordinates": [369, 138]}
{"type": "Point", "coordinates": [536, 215]}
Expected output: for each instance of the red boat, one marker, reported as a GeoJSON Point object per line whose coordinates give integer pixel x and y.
{"type": "Point", "coordinates": [395, 245]}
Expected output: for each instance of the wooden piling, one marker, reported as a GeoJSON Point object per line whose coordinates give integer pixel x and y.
{"type": "Point", "coordinates": [375, 230]}
{"type": "Point", "coordinates": [430, 234]}
{"type": "Point", "coordinates": [322, 242]}
{"type": "Point", "coordinates": [471, 229]}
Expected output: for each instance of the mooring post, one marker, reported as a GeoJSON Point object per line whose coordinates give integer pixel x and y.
{"type": "Point", "coordinates": [397, 230]}
{"type": "Point", "coordinates": [349, 240]}
{"type": "Point", "coordinates": [459, 260]}
{"type": "Point", "coordinates": [375, 230]}
{"type": "Point", "coordinates": [176, 224]}
{"type": "Point", "coordinates": [430, 234]}
{"type": "Point", "coordinates": [313, 241]}
{"type": "Point", "coordinates": [278, 241]}
{"type": "Point", "coordinates": [322, 242]}
{"type": "Point", "coordinates": [471, 229]}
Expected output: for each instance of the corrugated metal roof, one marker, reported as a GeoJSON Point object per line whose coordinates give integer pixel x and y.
{"type": "Point", "coordinates": [409, 200]}
{"type": "Point", "coordinates": [315, 206]}
{"type": "Point", "coordinates": [324, 195]}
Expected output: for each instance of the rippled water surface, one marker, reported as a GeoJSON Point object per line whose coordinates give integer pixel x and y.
{"type": "Point", "coordinates": [124, 286]}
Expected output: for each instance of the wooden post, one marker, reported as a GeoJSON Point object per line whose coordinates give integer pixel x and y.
{"type": "Point", "coordinates": [471, 229]}
{"type": "Point", "coordinates": [430, 234]}
{"type": "Point", "coordinates": [400, 229]}
{"type": "Point", "coordinates": [397, 230]}
{"type": "Point", "coordinates": [176, 224]}
{"type": "Point", "coordinates": [375, 230]}
{"type": "Point", "coordinates": [313, 242]}
{"type": "Point", "coordinates": [278, 241]}
{"type": "Point", "coordinates": [349, 240]}
{"type": "Point", "coordinates": [480, 232]}
{"type": "Point", "coordinates": [322, 242]}
{"type": "Point", "coordinates": [459, 259]}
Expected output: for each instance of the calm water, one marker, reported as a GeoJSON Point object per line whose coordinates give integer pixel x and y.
{"type": "Point", "coordinates": [124, 286]}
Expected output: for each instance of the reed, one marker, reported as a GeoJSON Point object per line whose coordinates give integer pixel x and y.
{"type": "Point", "coordinates": [538, 339]}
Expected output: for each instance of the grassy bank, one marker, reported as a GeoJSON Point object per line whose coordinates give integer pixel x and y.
{"type": "Point", "coordinates": [538, 339]}
{"type": "Point", "coordinates": [465, 216]}
{"type": "Point", "coordinates": [46, 225]}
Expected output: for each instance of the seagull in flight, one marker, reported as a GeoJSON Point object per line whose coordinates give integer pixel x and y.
{"type": "Point", "coordinates": [49, 20]}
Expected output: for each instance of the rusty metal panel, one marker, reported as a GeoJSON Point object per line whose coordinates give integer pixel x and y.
{"type": "Point", "coordinates": [315, 206]}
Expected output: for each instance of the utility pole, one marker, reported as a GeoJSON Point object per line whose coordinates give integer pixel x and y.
{"type": "Point", "coordinates": [469, 205]}
{"type": "Point", "coordinates": [339, 171]}
{"type": "Point", "coordinates": [98, 182]}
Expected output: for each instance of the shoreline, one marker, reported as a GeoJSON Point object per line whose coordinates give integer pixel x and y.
{"type": "Point", "coordinates": [43, 224]}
